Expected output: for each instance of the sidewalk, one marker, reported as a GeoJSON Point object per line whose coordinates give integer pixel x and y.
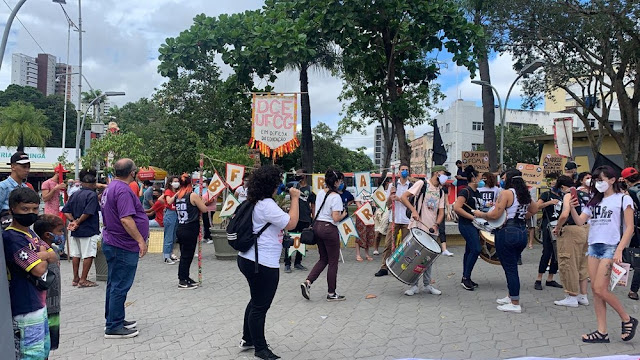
{"type": "Point", "coordinates": [206, 323]}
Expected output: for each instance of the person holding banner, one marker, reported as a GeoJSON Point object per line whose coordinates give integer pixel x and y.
{"type": "Point", "coordinates": [608, 213]}
{"type": "Point", "coordinates": [511, 239]}
{"type": "Point", "coordinates": [428, 216]}
{"type": "Point", "coordinates": [469, 199]}
{"type": "Point", "coordinates": [330, 211]}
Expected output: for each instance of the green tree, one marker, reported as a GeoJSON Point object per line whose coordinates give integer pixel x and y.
{"type": "Point", "coordinates": [91, 95]}
{"type": "Point", "coordinates": [517, 151]}
{"type": "Point", "coordinates": [591, 52]}
{"type": "Point", "coordinates": [21, 125]}
{"type": "Point", "coordinates": [126, 145]}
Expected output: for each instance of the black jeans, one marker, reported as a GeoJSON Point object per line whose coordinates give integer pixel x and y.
{"type": "Point", "coordinates": [188, 239]}
{"type": "Point", "coordinates": [547, 253]}
{"type": "Point", "coordinates": [262, 287]}
{"type": "Point", "coordinates": [287, 259]}
{"type": "Point", "coordinates": [206, 224]}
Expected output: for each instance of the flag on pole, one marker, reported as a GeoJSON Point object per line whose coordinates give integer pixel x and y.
{"type": "Point", "coordinates": [439, 151]}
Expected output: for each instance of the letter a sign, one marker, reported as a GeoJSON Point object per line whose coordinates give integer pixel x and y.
{"type": "Point", "coordinates": [362, 182]}
{"type": "Point", "coordinates": [235, 173]}
{"type": "Point", "coordinates": [216, 185]}
{"type": "Point", "coordinates": [347, 229]}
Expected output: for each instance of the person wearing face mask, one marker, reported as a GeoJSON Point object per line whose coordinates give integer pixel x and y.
{"type": "Point", "coordinates": [584, 182]}
{"type": "Point", "coordinates": [572, 248]}
{"type": "Point", "coordinates": [571, 170]}
{"type": "Point", "coordinates": [469, 199]}
{"type": "Point", "coordinates": [551, 204]}
{"type": "Point", "coordinates": [241, 191]}
{"type": "Point", "coordinates": [428, 215]}
{"type": "Point", "coordinates": [82, 212]}
{"type": "Point", "coordinates": [157, 210]}
{"type": "Point", "coordinates": [398, 221]}
{"type": "Point", "coordinates": [632, 177]}
{"type": "Point", "coordinates": [50, 229]}
{"type": "Point", "coordinates": [489, 190]}
{"type": "Point", "coordinates": [346, 195]}
{"type": "Point", "coordinates": [20, 167]}
{"type": "Point", "coordinates": [610, 217]}
{"type": "Point", "coordinates": [170, 219]}
{"type": "Point", "coordinates": [27, 258]}
{"type": "Point", "coordinates": [511, 239]}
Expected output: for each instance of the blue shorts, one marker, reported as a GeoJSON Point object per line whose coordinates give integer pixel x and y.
{"type": "Point", "coordinates": [601, 251]}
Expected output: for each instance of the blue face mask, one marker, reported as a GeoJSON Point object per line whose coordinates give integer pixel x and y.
{"type": "Point", "coordinates": [341, 187]}
{"type": "Point", "coordinates": [57, 239]}
{"type": "Point", "coordinates": [404, 173]}
{"type": "Point", "coordinates": [502, 184]}
{"type": "Point", "coordinates": [481, 183]}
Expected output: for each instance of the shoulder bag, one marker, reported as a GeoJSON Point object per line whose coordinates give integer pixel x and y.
{"type": "Point", "coordinates": [306, 236]}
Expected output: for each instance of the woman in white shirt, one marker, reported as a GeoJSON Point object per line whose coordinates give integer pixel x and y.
{"type": "Point", "coordinates": [328, 214]}
{"type": "Point", "coordinates": [606, 242]}
{"type": "Point", "coordinates": [263, 285]}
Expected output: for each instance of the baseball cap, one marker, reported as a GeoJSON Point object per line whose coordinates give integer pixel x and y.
{"type": "Point", "coordinates": [628, 172]}
{"type": "Point", "coordinates": [570, 165]}
{"type": "Point", "coordinates": [441, 168]}
{"type": "Point", "coordinates": [19, 157]}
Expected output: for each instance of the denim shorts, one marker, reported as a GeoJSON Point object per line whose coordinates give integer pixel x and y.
{"type": "Point", "coordinates": [601, 251]}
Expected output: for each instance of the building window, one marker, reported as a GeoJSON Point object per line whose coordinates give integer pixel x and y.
{"type": "Point", "coordinates": [476, 147]}
{"type": "Point", "coordinates": [592, 123]}
{"type": "Point", "coordinates": [478, 126]}
{"type": "Point", "coordinates": [446, 128]}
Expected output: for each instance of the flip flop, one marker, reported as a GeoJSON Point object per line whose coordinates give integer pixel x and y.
{"type": "Point", "coordinates": [87, 284]}
{"type": "Point", "coordinates": [74, 283]}
{"type": "Point", "coordinates": [369, 258]}
{"type": "Point", "coordinates": [358, 258]}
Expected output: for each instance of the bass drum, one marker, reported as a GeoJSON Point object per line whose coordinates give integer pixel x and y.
{"type": "Point", "coordinates": [488, 248]}
{"type": "Point", "coordinates": [416, 253]}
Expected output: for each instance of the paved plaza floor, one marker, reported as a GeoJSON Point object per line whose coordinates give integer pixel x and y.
{"type": "Point", "coordinates": [206, 323]}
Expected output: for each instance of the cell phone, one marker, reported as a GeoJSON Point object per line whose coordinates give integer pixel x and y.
{"type": "Point", "coordinates": [574, 193]}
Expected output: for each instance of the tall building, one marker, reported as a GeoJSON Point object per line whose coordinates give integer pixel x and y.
{"type": "Point", "coordinates": [462, 126]}
{"type": "Point", "coordinates": [379, 150]}
{"type": "Point", "coordinates": [71, 82]}
{"type": "Point", "coordinates": [24, 70]}
{"type": "Point", "coordinates": [421, 153]}
{"type": "Point", "coordinates": [46, 73]}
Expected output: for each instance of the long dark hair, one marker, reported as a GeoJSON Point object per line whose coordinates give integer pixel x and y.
{"type": "Point", "coordinates": [331, 177]}
{"type": "Point", "coordinates": [515, 181]}
{"type": "Point", "coordinates": [167, 184]}
{"type": "Point", "coordinates": [608, 172]}
{"type": "Point", "coordinates": [263, 182]}
{"type": "Point", "coordinates": [491, 179]}
{"type": "Point", "coordinates": [581, 177]}
{"type": "Point", "coordinates": [471, 173]}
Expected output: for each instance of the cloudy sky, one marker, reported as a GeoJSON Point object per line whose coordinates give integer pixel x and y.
{"type": "Point", "coordinates": [121, 41]}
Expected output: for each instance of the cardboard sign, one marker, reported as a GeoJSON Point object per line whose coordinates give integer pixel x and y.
{"type": "Point", "coordinates": [551, 163]}
{"type": "Point", "coordinates": [619, 275]}
{"type": "Point", "coordinates": [380, 197]}
{"type": "Point", "coordinates": [234, 176]}
{"type": "Point", "coordinates": [216, 185]}
{"type": "Point", "coordinates": [229, 206]}
{"type": "Point", "coordinates": [365, 213]}
{"type": "Point", "coordinates": [347, 229]}
{"type": "Point", "coordinates": [317, 182]}
{"type": "Point", "coordinates": [478, 159]}
{"type": "Point", "coordinates": [297, 245]}
{"type": "Point", "coordinates": [563, 136]}
{"type": "Point", "coordinates": [362, 181]}
{"type": "Point", "coordinates": [532, 174]}
{"type": "Point", "coordinates": [274, 119]}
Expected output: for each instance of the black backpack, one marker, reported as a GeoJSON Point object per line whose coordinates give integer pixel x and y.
{"type": "Point", "coordinates": [416, 200]}
{"type": "Point", "coordinates": [240, 229]}
{"type": "Point", "coordinates": [634, 192]}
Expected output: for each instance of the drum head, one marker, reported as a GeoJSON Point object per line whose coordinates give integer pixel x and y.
{"type": "Point", "coordinates": [487, 236]}
{"type": "Point", "coordinates": [488, 250]}
{"type": "Point", "coordinates": [426, 240]}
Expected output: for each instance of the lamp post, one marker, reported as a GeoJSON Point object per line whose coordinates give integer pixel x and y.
{"type": "Point", "coordinates": [527, 69]}
{"type": "Point", "coordinates": [66, 88]}
{"type": "Point", "coordinates": [81, 126]}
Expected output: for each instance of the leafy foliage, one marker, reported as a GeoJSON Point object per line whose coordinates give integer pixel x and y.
{"type": "Point", "coordinates": [21, 125]}
{"type": "Point", "coordinates": [517, 151]}
{"type": "Point", "coordinates": [126, 145]}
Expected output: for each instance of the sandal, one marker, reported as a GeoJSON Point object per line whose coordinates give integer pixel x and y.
{"type": "Point", "coordinates": [369, 258]}
{"type": "Point", "coordinates": [595, 337]}
{"type": "Point", "coordinates": [629, 328]}
{"type": "Point", "coordinates": [358, 258]}
{"type": "Point", "coordinates": [87, 284]}
{"type": "Point", "coordinates": [74, 283]}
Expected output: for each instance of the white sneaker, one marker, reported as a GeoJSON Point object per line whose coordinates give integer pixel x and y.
{"type": "Point", "coordinates": [570, 301]}
{"type": "Point", "coordinates": [432, 290]}
{"type": "Point", "coordinates": [582, 299]}
{"type": "Point", "coordinates": [412, 291]}
{"type": "Point", "coordinates": [510, 308]}
{"type": "Point", "coordinates": [447, 253]}
{"type": "Point", "coordinates": [504, 300]}
{"type": "Point", "coordinates": [169, 261]}
{"type": "Point", "coordinates": [375, 252]}
{"type": "Point", "coordinates": [209, 241]}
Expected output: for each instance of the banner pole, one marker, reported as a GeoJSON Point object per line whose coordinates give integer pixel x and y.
{"type": "Point", "coordinates": [201, 181]}
{"type": "Point", "coordinates": [393, 209]}
{"type": "Point", "coordinates": [566, 135]}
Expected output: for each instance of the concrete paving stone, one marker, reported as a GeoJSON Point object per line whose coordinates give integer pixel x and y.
{"type": "Point", "coordinates": [485, 354]}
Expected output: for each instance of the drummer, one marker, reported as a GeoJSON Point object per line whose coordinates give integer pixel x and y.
{"type": "Point", "coordinates": [551, 204]}
{"type": "Point", "coordinates": [511, 239]}
{"type": "Point", "coordinates": [428, 216]}
{"type": "Point", "coordinates": [469, 199]}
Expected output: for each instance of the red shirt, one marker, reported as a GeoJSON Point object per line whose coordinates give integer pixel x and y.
{"type": "Point", "coordinates": [158, 207]}
{"type": "Point", "coordinates": [167, 194]}
{"type": "Point", "coordinates": [134, 187]}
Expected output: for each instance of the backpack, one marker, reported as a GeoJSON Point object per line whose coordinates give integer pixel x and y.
{"type": "Point", "coordinates": [634, 192]}
{"type": "Point", "coordinates": [416, 200]}
{"type": "Point", "coordinates": [240, 230]}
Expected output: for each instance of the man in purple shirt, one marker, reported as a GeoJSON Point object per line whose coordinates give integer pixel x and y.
{"type": "Point", "coordinates": [126, 229]}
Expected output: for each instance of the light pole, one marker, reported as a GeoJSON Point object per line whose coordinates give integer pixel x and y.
{"type": "Point", "coordinates": [66, 88]}
{"type": "Point", "coordinates": [527, 69]}
{"type": "Point", "coordinates": [7, 28]}
{"type": "Point", "coordinates": [81, 126]}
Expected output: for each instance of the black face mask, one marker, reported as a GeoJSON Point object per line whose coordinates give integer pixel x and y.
{"type": "Point", "coordinates": [25, 220]}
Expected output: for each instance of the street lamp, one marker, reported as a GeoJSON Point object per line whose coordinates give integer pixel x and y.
{"type": "Point", "coordinates": [81, 126]}
{"type": "Point", "coordinates": [527, 69]}
{"type": "Point", "coordinates": [66, 89]}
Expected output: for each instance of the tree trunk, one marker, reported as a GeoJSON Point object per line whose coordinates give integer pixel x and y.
{"type": "Point", "coordinates": [629, 117]}
{"type": "Point", "coordinates": [305, 106]}
{"type": "Point", "coordinates": [488, 107]}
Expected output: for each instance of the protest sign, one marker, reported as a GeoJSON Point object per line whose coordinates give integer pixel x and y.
{"type": "Point", "coordinates": [273, 128]}
{"type": "Point", "coordinates": [234, 175]}
{"type": "Point", "coordinates": [531, 174]}
{"type": "Point", "coordinates": [317, 183]}
{"type": "Point", "coordinates": [478, 159]}
{"type": "Point", "coordinates": [551, 163]}
{"type": "Point", "coordinates": [619, 275]}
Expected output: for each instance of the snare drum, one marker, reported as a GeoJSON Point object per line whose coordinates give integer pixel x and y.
{"type": "Point", "coordinates": [416, 253]}
{"type": "Point", "coordinates": [488, 248]}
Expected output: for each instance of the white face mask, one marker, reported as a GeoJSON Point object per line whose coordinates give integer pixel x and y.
{"type": "Point", "coordinates": [587, 182]}
{"type": "Point", "coordinates": [175, 185]}
{"type": "Point", "coordinates": [443, 179]}
{"type": "Point", "coordinates": [602, 186]}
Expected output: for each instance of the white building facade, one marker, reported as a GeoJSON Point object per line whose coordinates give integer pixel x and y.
{"type": "Point", "coordinates": [24, 70]}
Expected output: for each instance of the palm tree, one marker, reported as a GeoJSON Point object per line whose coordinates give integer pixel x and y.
{"type": "Point", "coordinates": [22, 125]}
{"type": "Point", "coordinates": [88, 97]}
